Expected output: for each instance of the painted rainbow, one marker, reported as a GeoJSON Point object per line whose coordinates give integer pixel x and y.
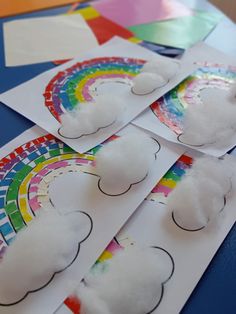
{"type": "Point", "coordinates": [80, 82]}
{"type": "Point", "coordinates": [170, 109]}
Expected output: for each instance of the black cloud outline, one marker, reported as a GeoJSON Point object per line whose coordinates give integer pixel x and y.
{"type": "Point", "coordinates": [167, 82]}
{"type": "Point", "coordinates": [194, 145]}
{"type": "Point", "coordinates": [130, 186]}
{"type": "Point", "coordinates": [164, 84]}
{"type": "Point", "coordinates": [86, 134]}
{"type": "Point", "coordinates": [57, 272]}
{"type": "Point", "coordinates": [164, 282]}
{"type": "Point", "coordinates": [200, 228]}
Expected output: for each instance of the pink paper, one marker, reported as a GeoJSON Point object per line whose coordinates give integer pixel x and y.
{"type": "Point", "coordinates": [133, 12]}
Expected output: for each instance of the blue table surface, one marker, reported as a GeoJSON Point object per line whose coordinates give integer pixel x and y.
{"type": "Point", "coordinates": [216, 291]}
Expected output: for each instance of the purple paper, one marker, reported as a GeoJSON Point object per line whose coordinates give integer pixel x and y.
{"type": "Point", "coordinates": [133, 12]}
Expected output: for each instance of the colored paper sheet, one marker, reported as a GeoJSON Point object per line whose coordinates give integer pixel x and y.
{"type": "Point", "coordinates": [109, 67]}
{"type": "Point", "coordinates": [104, 29]}
{"type": "Point", "coordinates": [133, 12]}
{"type": "Point", "coordinates": [38, 170]}
{"type": "Point", "coordinates": [181, 32]}
{"type": "Point", "coordinates": [13, 7]}
{"type": "Point", "coordinates": [35, 40]}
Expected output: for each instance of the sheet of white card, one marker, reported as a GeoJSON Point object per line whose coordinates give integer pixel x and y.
{"type": "Point", "coordinates": [199, 247]}
{"type": "Point", "coordinates": [149, 121]}
{"type": "Point", "coordinates": [28, 98]}
{"type": "Point", "coordinates": [108, 214]}
{"type": "Point", "coordinates": [42, 39]}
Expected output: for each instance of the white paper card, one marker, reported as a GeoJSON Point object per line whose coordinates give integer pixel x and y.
{"type": "Point", "coordinates": [152, 225]}
{"type": "Point", "coordinates": [52, 173]}
{"type": "Point", "coordinates": [165, 118]}
{"type": "Point", "coordinates": [42, 39]}
{"type": "Point", "coordinates": [44, 98]}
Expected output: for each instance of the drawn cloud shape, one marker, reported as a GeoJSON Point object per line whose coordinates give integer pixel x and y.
{"type": "Point", "coordinates": [133, 283]}
{"type": "Point", "coordinates": [48, 246]}
{"type": "Point", "coordinates": [210, 122]}
{"type": "Point", "coordinates": [146, 83]}
{"type": "Point", "coordinates": [89, 117]}
{"type": "Point", "coordinates": [165, 67]}
{"type": "Point", "coordinates": [202, 193]}
{"type": "Point", "coordinates": [124, 162]}
{"type": "Point", "coordinates": [154, 74]}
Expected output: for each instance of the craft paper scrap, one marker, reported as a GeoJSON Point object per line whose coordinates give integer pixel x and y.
{"type": "Point", "coordinates": [12, 7]}
{"type": "Point", "coordinates": [200, 246]}
{"type": "Point", "coordinates": [42, 39]}
{"type": "Point", "coordinates": [103, 28]}
{"type": "Point", "coordinates": [165, 116]}
{"type": "Point", "coordinates": [107, 69]}
{"type": "Point", "coordinates": [129, 12]}
{"type": "Point", "coordinates": [181, 32]}
{"type": "Point", "coordinates": [37, 169]}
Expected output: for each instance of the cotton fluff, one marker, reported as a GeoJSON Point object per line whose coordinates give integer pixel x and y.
{"type": "Point", "coordinates": [89, 117]}
{"type": "Point", "coordinates": [125, 161]}
{"type": "Point", "coordinates": [210, 122]}
{"type": "Point", "coordinates": [90, 302]}
{"type": "Point", "coordinates": [163, 67]}
{"type": "Point", "coordinates": [48, 245]}
{"type": "Point", "coordinates": [146, 83]}
{"type": "Point", "coordinates": [132, 284]}
{"type": "Point", "coordinates": [199, 197]}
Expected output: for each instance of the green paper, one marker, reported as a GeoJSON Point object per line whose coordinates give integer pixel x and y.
{"type": "Point", "coordinates": [181, 32]}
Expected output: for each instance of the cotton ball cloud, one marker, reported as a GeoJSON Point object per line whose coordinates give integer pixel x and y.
{"type": "Point", "coordinates": [146, 83]}
{"type": "Point", "coordinates": [133, 283]}
{"type": "Point", "coordinates": [210, 122]}
{"type": "Point", "coordinates": [124, 162]}
{"type": "Point", "coordinates": [49, 245]}
{"type": "Point", "coordinates": [90, 117]}
{"type": "Point", "coordinates": [201, 194]}
{"type": "Point", "coordinates": [90, 302]}
{"type": "Point", "coordinates": [166, 68]}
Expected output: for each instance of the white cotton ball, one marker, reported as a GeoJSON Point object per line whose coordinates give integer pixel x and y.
{"type": "Point", "coordinates": [211, 122]}
{"type": "Point", "coordinates": [199, 197]}
{"type": "Point", "coordinates": [125, 161]}
{"type": "Point", "coordinates": [163, 67]}
{"type": "Point", "coordinates": [68, 125]}
{"type": "Point", "coordinates": [218, 170]}
{"type": "Point", "coordinates": [195, 202]}
{"type": "Point", "coordinates": [89, 117]}
{"type": "Point", "coordinates": [133, 281]}
{"type": "Point", "coordinates": [211, 196]}
{"type": "Point", "coordinates": [146, 83]}
{"type": "Point", "coordinates": [47, 245]}
{"type": "Point", "coordinates": [185, 205]}
{"type": "Point", "coordinates": [90, 302]}
{"type": "Point", "coordinates": [109, 109]}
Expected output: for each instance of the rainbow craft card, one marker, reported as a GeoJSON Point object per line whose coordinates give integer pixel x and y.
{"type": "Point", "coordinates": [38, 170]}
{"type": "Point", "coordinates": [187, 253]}
{"type": "Point", "coordinates": [107, 69]}
{"type": "Point", "coordinates": [165, 116]}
